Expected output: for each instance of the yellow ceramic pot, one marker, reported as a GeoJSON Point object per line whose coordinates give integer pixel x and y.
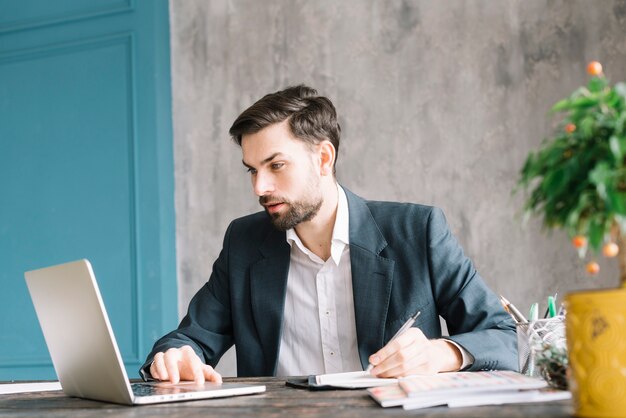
{"type": "Point", "coordinates": [596, 340]}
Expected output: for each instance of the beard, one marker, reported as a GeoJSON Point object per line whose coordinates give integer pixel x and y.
{"type": "Point", "coordinates": [297, 211]}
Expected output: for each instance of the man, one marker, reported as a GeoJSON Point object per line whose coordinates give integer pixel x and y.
{"type": "Point", "coordinates": [321, 280]}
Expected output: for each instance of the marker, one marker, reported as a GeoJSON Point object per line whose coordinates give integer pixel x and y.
{"type": "Point", "coordinates": [533, 315]}
{"type": "Point", "coordinates": [545, 315]}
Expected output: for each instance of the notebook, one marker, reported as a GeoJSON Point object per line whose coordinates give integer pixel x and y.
{"type": "Point", "coordinates": [83, 348]}
{"type": "Point", "coordinates": [352, 380]}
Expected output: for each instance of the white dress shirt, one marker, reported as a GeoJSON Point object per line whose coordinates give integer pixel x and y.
{"type": "Point", "coordinates": [319, 329]}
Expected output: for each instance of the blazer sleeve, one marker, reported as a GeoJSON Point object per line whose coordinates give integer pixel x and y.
{"type": "Point", "coordinates": [207, 327]}
{"type": "Point", "coordinates": [475, 318]}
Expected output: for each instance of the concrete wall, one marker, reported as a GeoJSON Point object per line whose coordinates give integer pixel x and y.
{"type": "Point", "coordinates": [439, 101]}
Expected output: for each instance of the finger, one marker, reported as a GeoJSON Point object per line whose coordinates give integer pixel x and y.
{"type": "Point", "coordinates": [171, 358]}
{"type": "Point", "coordinates": [198, 374]}
{"type": "Point", "coordinates": [393, 346]}
{"type": "Point", "coordinates": [384, 353]}
{"type": "Point", "coordinates": [418, 364]}
{"type": "Point", "coordinates": [153, 371]}
{"type": "Point", "coordinates": [159, 367]}
{"type": "Point", "coordinates": [192, 361]}
{"type": "Point", "coordinates": [211, 375]}
{"type": "Point", "coordinates": [415, 362]}
{"type": "Point", "coordinates": [399, 359]}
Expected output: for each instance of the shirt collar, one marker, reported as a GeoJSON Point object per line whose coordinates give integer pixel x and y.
{"type": "Point", "coordinates": [341, 230]}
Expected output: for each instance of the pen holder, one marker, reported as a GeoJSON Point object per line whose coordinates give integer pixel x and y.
{"type": "Point", "coordinates": [542, 350]}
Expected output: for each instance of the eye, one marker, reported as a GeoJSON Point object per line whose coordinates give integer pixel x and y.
{"type": "Point", "coordinates": [251, 170]}
{"type": "Point", "coordinates": [277, 166]}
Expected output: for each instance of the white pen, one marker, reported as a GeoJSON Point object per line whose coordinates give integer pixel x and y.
{"type": "Point", "coordinates": [408, 324]}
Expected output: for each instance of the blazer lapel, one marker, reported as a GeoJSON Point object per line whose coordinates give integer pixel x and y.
{"type": "Point", "coordinates": [372, 277]}
{"type": "Point", "coordinates": [268, 286]}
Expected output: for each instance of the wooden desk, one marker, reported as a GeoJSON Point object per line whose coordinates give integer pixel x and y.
{"type": "Point", "coordinates": [278, 401]}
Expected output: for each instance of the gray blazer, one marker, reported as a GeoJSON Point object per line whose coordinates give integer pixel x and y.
{"type": "Point", "coordinates": [403, 259]}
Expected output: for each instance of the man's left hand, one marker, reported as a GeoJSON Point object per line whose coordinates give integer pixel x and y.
{"type": "Point", "coordinates": [413, 353]}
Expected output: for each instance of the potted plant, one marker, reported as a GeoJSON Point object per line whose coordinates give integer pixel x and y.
{"type": "Point", "coordinates": [577, 181]}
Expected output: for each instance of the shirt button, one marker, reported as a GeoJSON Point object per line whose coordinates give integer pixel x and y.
{"type": "Point", "coordinates": [332, 353]}
{"type": "Point", "coordinates": [327, 313]}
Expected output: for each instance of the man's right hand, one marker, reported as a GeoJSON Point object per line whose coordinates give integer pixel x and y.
{"type": "Point", "coordinates": [182, 363]}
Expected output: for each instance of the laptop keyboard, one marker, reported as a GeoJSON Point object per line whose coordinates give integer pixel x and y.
{"type": "Point", "coordinates": [161, 388]}
{"type": "Point", "coordinates": [141, 389]}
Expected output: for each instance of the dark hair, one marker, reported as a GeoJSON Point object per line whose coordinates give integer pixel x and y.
{"type": "Point", "coordinates": [312, 118]}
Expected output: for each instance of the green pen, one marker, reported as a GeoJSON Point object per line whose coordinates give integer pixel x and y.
{"type": "Point", "coordinates": [551, 307]}
{"type": "Point", "coordinates": [545, 315]}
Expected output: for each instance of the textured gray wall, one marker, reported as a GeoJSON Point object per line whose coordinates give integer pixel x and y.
{"type": "Point", "coordinates": [439, 101]}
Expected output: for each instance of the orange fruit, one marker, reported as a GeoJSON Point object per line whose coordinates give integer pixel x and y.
{"type": "Point", "coordinates": [579, 241]}
{"type": "Point", "coordinates": [594, 68]}
{"type": "Point", "coordinates": [593, 268]}
{"type": "Point", "coordinates": [570, 127]}
{"type": "Point", "coordinates": [610, 249]}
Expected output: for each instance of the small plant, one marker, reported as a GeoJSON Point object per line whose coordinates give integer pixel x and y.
{"type": "Point", "coordinates": [577, 178]}
{"type": "Point", "coordinates": [552, 362]}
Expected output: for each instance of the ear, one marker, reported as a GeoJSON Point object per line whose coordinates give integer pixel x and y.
{"type": "Point", "coordinates": [327, 157]}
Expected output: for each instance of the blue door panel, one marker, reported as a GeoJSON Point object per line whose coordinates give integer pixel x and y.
{"type": "Point", "coordinates": [17, 15]}
{"type": "Point", "coordinates": [84, 172]}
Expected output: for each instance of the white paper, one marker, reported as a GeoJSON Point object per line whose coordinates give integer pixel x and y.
{"type": "Point", "coordinates": [353, 380]}
{"type": "Point", "coordinates": [531, 396]}
{"type": "Point", "coordinates": [489, 398]}
{"type": "Point", "coordinates": [8, 388]}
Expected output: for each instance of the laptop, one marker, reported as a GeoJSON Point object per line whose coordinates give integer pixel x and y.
{"type": "Point", "coordinates": [84, 352]}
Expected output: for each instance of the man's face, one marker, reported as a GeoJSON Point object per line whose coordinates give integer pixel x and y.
{"type": "Point", "coordinates": [284, 173]}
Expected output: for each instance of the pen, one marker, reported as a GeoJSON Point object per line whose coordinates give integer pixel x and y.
{"type": "Point", "coordinates": [545, 315]}
{"type": "Point", "coordinates": [551, 307]}
{"type": "Point", "coordinates": [408, 324]}
{"type": "Point", "coordinates": [515, 313]}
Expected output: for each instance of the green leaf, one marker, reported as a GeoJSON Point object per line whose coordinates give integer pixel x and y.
{"type": "Point", "coordinates": [620, 88]}
{"type": "Point", "coordinates": [579, 92]}
{"type": "Point", "coordinates": [618, 148]}
{"type": "Point", "coordinates": [572, 219]}
{"type": "Point", "coordinates": [613, 99]}
{"type": "Point", "coordinates": [596, 84]}
{"type": "Point", "coordinates": [555, 181]}
{"type": "Point", "coordinates": [530, 170]}
{"type": "Point", "coordinates": [596, 232]}
{"type": "Point", "coordinates": [600, 173]}
{"type": "Point", "coordinates": [617, 201]}
{"type": "Point", "coordinates": [564, 104]}
{"type": "Point", "coordinates": [580, 99]}
{"type": "Point", "coordinates": [620, 124]}
{"type": "Point", "coordinates": [601, 176]}
{"type": "Point", "coordinates": [583, 102]}
{"type": "Point", "coordinates": [586, 126]}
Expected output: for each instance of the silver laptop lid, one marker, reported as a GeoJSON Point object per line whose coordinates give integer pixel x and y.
{"type": "Point", "coordinates": [78, 333]}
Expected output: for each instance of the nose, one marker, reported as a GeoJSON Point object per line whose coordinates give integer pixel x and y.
{"type": "Point", "coordinates": [262, 184]}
